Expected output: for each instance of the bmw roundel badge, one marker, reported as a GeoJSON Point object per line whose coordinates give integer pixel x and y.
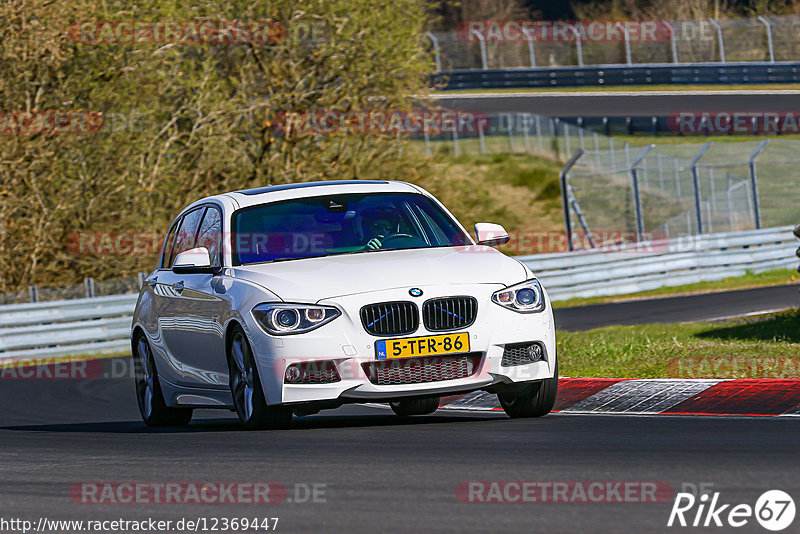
{"type": "Point", "coordinates": [415, 292]}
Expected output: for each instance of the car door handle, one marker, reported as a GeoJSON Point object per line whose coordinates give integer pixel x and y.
{"type": "Point", "coordinates": [178, 286]}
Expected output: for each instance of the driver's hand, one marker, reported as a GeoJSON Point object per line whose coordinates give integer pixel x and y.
{"type": "Point", "coordinates": [374, 243]}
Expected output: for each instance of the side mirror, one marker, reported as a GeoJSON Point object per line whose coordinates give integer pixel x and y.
{"type": "Point", "coordinates": [491, 235]}
{"type": "Point", "coordinates": [196, 260]}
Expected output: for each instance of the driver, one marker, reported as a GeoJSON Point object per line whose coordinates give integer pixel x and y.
{"type": "Point", "coordinates": [378, 225]}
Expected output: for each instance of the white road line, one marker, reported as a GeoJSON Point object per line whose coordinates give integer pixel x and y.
{"type": "Point", "coordinates": [575, 94]}
{"type": "Point", "coordinates": [736, 316]}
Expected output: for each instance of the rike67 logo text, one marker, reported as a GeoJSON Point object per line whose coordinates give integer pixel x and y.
{"type": "Point", "coordinates": [774, 510]}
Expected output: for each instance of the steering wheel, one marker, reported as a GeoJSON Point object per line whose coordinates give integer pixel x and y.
{"type": "Point", "coordinates": [397, 237]}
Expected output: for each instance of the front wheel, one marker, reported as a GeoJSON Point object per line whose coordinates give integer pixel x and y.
{"type": "Point", "coordinates": [152, 406]}
{"type": "Point", "coordinates": [248, 396]}
{"type": "Point", "coordinates": [407, 407]}
{"type": "Point", "coordinates": [535, 400]}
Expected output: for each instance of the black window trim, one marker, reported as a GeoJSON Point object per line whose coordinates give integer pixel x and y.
{"type": "Point", "coordinates": [221, 223]}
{"type": "Point", "coordinates": [179, 220]}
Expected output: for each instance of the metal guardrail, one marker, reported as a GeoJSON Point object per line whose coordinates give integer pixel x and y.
{"type": "Point", "coordinates": [66, 327]}
{"type": "Point", "coordinates": [670, 263]}
{"type": "Point", "coordinates": [594, 75]}
{"type": "Point", "coordinates": [102, 325]}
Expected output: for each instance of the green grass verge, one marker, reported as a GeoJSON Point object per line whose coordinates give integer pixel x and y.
{"type": "Point", "coordinates": [763, 347]}
{"type": "Point", "coordinates": [750, 280]}
{"type": "Point", "coordinates": [648, 88]}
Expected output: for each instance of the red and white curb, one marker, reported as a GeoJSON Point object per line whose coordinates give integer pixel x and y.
{"type": "Point", "coordinates": [748, 397]}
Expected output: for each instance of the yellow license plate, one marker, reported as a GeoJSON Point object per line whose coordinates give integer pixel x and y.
{"type": "Point", "coordinates": [409, 347]}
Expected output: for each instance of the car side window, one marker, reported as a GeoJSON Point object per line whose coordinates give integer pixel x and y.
{"type": "Point", "coordinates": [210, 235]}
{"type": "Point", "coordinates": [187, 234]}
{"type": "Point", "coordinates": [168, 244]}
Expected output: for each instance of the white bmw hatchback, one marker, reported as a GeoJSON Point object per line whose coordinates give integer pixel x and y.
{"type": "Point", "coordinates": [294, 298]}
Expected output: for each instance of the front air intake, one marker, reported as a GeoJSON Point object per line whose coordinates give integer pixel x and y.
{"type": "Point", "coordinates": [390, 318]}
{"type": "Point", "coordinates": [449, 313]}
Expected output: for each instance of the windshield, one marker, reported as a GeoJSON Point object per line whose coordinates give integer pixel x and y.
{"type": "Point", "coordinates": [341, 224]}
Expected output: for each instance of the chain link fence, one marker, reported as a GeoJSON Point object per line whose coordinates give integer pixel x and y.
{"type": "Point", "coordinates": [614, 190]}
{"type": "Point", "coordinates": [673, 191]}
{"type": "Point", "coordinates": [501, 44]}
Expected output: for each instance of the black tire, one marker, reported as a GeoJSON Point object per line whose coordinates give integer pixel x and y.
{"type": "Point", "coordinates": [535, 400]}
{"type": "Point", "coordinates": [406, 407]}
{"type": "Point", "coordinates": [149, 396]}
{"type": "Point", "coordinates": [248, 397]}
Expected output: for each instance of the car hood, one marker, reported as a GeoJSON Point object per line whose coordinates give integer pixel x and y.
{"type": "Point", "coordinates": [314, 279]}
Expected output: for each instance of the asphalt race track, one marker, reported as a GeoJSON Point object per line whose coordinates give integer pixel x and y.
{"type": "Point", "coordinates": [380, 473]}
{"type": "Point", "coordinates": [622, 103]}
{"type": "Point", "coordinates": [691, 308]}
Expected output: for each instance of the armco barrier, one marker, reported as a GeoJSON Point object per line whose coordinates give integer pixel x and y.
{"type": "Point", "coordinates": [66, 327]}
{"type": "Point", "coordinates": [685, 261]}
{"type": "Point", "coordinates": [572, 76]}
{"type": "Point", "coordinates": [102, 324]}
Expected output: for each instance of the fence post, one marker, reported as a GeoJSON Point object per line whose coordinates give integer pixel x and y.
{"type": "Point", "coordinates": [427, 141]}
{"type": "Point", "coordinates": [529, 38]}
{"type": "Point", "coordinates": [719, 38]}
{"type": "Point", "coordinates": [730, 202]}
{"type": "Point", "coordinates": [769, 38]}
{"type": "Point", "coordinates": [141, 277]}
{"type": "Point", "coordinates": [511, 133]}
{"type": "Point", "coordinates": [33, 293]}
{"type": "Point", "coordinates": [754, 182]}
{"type": "Point", "coordinates": [562, 177]}
{"type": "Point", "coordinates": [637, 199]}
{"type": "Point", "coordinates": [88, 284]}
{"type": "Point", "coordinates": [436, 54]}
{"type": "Point", "coordinates": [554, 141]}
{"type": "Point", "coordinates": [578, 46]}
{"type": "Point", "coordinates": [611, 153]}
{"type": "Point", "coordinates": [627, 42]}
{"type": "Point", "coordinates": [456, 151]}
{"type": "Point", "coordinates": [581, 219]}
{"type": "Point", "coordinates": [524, 118]}
{"type": "Point", "coordinates": [673, 42]}
{"type": "Point", "coordinates": [539, 135]}
{"type": "Point", "coordinates": [484, 59]}
{"type": "Point", "coordinates": [596, 149]}
{"type": "Point", "coordinates": [698, 208]}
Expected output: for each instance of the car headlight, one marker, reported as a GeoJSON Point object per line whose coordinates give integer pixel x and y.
{"type": "Point", "coordinates": [526, 297]}
{"type": "Point", "coordinates": [286, 319]}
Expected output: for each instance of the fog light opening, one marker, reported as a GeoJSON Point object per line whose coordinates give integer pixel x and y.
{"type": "Point", "coordinates": [293, 373]}
{"type": "Point", "coordinates": [535, 352]}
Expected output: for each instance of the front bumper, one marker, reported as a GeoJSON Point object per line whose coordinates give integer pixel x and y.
{"type": "Point", "coordinates": [345, 342]}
